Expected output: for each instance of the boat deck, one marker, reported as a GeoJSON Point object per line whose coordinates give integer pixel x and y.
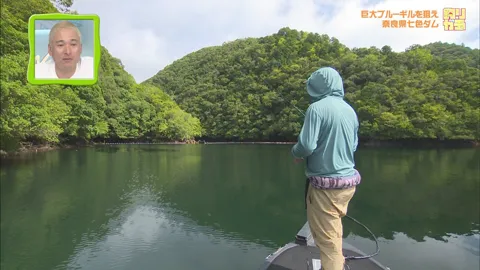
{"type": "Point", "coordinates": [303, 254]}
{"type": "Point", "coordinates": [302, 258]}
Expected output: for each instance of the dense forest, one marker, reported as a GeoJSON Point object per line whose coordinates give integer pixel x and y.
{"type": "Point", "coordinates": [249, 89]}
{"type": "Point", "coordinates": [117, 108]}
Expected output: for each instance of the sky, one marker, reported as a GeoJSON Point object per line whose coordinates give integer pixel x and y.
{"type": "Point", "coordinates": [148, 35]}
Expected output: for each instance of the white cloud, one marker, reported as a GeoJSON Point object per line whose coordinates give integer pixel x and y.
{"type": "Point", "coordinates": [147, 35]}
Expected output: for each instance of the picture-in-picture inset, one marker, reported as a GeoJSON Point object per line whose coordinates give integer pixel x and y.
{"type": "Point", "coordinates": [65, 49]}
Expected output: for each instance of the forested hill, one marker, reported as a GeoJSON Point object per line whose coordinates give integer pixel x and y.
{"type": "Point", "coordinates": [115, 108]}
{"type": "Point", "coordinates": [247, 89]}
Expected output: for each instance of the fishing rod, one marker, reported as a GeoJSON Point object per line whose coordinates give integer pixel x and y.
{"type": "Point", "coordinates": [298, 109]}
{"type": "Point", "coordinates": [282, 99]}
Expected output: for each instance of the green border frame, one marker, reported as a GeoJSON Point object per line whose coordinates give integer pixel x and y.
{"type": "Point", "coordinates": [60, 16]}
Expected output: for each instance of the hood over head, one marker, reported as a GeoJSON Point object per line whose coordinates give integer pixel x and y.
{"type": "Point", "coordinates": [325, 82]}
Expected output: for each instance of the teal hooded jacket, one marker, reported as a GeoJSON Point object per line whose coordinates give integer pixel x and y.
{"type": "Point", "coordinates": [328, 139]}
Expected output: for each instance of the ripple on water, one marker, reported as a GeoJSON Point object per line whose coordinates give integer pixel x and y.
{"type": "Point", "coordinates": [135, 231]}
{"type": "Point", "coordinates": [144, 231]}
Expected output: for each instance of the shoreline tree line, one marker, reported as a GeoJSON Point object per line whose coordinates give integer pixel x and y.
{"type": "Point", "coordinates": [245, 90]}
{"type": "Point", "coordinates": [250, 89]}
{"type": "Point", "coordinates": [116, 108]}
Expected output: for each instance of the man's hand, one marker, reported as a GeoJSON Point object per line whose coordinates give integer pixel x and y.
{"type": "Point", "coordinates": [297, 160]}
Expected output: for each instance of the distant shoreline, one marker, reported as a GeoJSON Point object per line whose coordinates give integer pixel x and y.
{"type": "Point", "coordinates": [370, 143]}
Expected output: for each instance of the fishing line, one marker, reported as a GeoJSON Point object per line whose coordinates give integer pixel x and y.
{"type": "Point", "coordinates": [350, 258]}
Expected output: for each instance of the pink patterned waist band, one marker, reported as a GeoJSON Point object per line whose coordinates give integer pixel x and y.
{"type": "Point", "coordinates": [321, 182]}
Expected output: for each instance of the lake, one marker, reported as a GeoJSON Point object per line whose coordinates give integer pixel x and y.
{"type": "Point", "coordinates": [213, 207]}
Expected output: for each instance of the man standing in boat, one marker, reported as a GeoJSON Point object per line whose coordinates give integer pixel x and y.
{"type": "Point", "coordinates": [328, 141]}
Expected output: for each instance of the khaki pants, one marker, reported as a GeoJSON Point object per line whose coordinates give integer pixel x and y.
{"type": "Point", "coordinates": [325, 208]}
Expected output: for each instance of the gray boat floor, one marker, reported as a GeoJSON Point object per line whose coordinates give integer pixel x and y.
{"type": "Point", "coordinates": [300, 257]}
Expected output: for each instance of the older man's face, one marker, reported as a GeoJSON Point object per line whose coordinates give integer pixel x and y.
{"type": "Point", "coordinates": [65, 48]}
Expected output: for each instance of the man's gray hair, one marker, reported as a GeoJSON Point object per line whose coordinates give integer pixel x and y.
{"type": "Point", "coordinates": [63, 25]}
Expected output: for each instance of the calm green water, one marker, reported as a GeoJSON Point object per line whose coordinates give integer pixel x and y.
{"type": "Point", "coordinates": [227, 207]}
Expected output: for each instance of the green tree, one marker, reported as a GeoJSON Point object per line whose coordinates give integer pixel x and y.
{"type": "Point", "coordinates": [248, 89]}
{"type": "Point", "coordinates": [116, 108]}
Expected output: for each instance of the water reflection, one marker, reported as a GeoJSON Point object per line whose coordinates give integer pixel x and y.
{"type": "Point", "coordinates": [402, 252]}
{"type": "Point", "coordinates": [426, 193]}
{"type": "Point", "coordinates": [206, 206]}
{"type": "Point", "coordinates": [108, 149]}
{"type": "Point", "coordinates": [148, 234]}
